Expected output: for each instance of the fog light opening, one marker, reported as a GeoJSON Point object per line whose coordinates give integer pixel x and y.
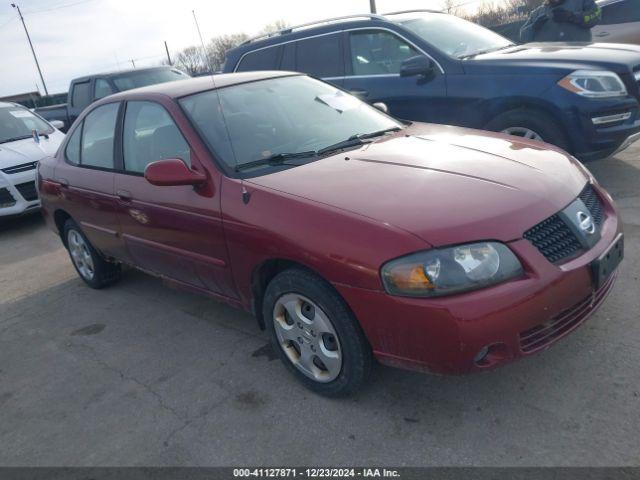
{"type": "Point", "coordinates": [491, 355]}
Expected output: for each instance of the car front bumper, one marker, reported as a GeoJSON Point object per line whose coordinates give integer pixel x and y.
{"type": "Point", "coordinates": [18, 193]}
{"type": "Point", "coordinates": [514, 319]}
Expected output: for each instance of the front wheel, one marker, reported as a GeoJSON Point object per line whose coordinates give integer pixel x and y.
{"type": "Point", "coordinates": [315, 334]}
{"type": "Point", "coordinates": [531, 125]}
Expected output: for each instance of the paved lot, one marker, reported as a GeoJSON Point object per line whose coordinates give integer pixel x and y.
{"type": "Point", "coordinates": [139, 374]}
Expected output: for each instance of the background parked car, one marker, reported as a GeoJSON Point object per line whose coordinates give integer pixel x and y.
{"type": "Point", "coordinates": [85, 90]}
{"type": "Point", "coordinates": [20, 151]}
{"type": "Point", "coordinates": [433, 67]}
{"type": "Point", "coordinates": [620, 22]}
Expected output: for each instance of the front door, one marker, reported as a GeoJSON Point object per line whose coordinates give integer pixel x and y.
{"type": "Point", "coordinates": [374, 57]}
{"type": "Point", "coordinates": [172, 231]}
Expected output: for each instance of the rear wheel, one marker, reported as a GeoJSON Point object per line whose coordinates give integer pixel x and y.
{"type": "Point", "coordinates": [315, 334]}
{"type": "Point", "coordinates": [531, 125]}
{"type": "Point", "coordinates": [92, 268]}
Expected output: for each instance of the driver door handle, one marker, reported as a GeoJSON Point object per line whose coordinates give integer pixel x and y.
{"type": "Point", "coordinates": [602, 34]}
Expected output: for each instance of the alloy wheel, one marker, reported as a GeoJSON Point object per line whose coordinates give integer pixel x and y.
{"type": "Point", "coordinates": [80, 254]}
{"type": "Point", "coordinates": [307, 337]}
{"type": "Point", "coordinates": [523, 132]}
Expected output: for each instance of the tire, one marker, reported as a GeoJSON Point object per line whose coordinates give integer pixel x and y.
{"type": "Point", "coordinates": [94, 270]}
{"type": "Point", "coordinates": [545, 126]}
{"type": "Point", "coordinates": [320, 314]}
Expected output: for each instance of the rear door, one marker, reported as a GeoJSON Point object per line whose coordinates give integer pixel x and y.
{"type": "Point", "coordinates": [87, 175]}
{"type": "Point", "coordinates": [172, 231]}
{"type": "Point", "coordinates": [374, 57]}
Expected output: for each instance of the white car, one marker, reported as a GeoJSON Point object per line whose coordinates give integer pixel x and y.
{"type": "Point", "coordinates": [25, 139]}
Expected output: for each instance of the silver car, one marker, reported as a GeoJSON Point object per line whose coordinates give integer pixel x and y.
{"type": "Point", "coordinates": [620, 22]}
{"type": "Point", "coordinates": [25, 138]}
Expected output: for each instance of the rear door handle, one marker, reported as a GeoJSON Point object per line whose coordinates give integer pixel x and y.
{"type": "Point", "coordinates": [602, 34]}
{"type": "Point", "coordinates": [63, 182]}
{"type": "Point", "coordinates": [359, 93]}
{"type": "Point", "coordinates": [124, 195]}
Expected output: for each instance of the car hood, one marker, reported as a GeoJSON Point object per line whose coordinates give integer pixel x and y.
{"type": "Point", "coordinates": [443, 184]}
{"type": "Point", "coordinates": [27, 150]}
{"type": "Point", "coordinates": [567, 56]}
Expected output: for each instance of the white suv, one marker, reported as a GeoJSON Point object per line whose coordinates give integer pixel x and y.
{"type": "Point", "coordinates": [25, 138]}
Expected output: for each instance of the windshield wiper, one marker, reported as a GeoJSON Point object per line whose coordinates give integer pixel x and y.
{"type": "Point", "coordinates": [486, 50]}
{"type": "Point", "coordinates": [379, 133]}
{"type": "Point", "coordinates": [276, 159]}
{"type": "Point", "coordinates": [15, 139]}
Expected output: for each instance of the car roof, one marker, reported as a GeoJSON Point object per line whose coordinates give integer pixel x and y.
{"type": "Point", "coordinates": [8, 104]}
{"type": "Point", "coordinates": [181, 88]}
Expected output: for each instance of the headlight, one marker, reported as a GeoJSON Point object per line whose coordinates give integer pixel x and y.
{"type": "Point", "coordinates": [594, 84]}
{"type": "Point", "coordinates": [450, 270]}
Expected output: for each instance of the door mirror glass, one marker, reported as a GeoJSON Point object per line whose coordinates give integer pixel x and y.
{"type": "Point", "coordinates": [172, 172]}
{"type": "Point", "coordinates": [418, 65]}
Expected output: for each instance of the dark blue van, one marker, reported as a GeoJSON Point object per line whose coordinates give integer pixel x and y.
{"type": "Point", "coordinates": [432, 67]}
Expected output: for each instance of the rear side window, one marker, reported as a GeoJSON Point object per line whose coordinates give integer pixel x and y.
{"type": "Point", "coordinates": [378, 53]}
{"type": "Point", "coordinates": [288, 57]}
{"type": "Point", "coordinates": [102, 88]}
{"type": "Point", "coordinates": [265, 59]}
{"type": "Point", "coordinates": [149, 135]}
{"type": "Point", "coordinates": [625, 11]}
{"type": "Point", "coordinates": [81, 96]}
{"type": "Point", "coordinates": [320, 56]}
{"type": "Point", "coordinates": [98, 136]}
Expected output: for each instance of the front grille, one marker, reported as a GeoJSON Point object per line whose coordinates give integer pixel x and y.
{"type": "Point", "coordinates": [553, 238]}
{"type": "Point", "coordinates": [25, 167]}
{"type": "Point", "coordinates": [28, 191]}
{"type": "Point", "coordinates": [593, 203]}
{"type": "Point", "coordinates": [542, 335]}
{"type": "Point", "coordinates": [6, 199]}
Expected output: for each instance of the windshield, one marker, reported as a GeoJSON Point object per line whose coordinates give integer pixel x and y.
{"type": "Point", "coordinates": [129, 81]}
{"type": "Point", "coordinates": [17, 123]}
{"type": "Point", "coordinates": [285, 115]}
{"type": "Point", "coordinates": [452, 35]}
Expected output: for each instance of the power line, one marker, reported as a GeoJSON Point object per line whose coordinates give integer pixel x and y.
{"type": "Point", "coordinates": [2, 25]}
{"type": "Point", "coordinates": [57, 7]}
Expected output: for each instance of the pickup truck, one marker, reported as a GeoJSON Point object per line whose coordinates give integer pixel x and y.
{"type": "Point", "coordinates": [86, 90]}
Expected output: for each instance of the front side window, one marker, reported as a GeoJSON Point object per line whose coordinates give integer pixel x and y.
{"type": "Point", "coordinates": [253, 121]}
{"type": "Point", "coordinates": [102, 88]}
{"type": "Point", "coordinates": [81, 96]}
{"type": "Point", "coordinates": [452, 35]}
{"type": "Point", "coordinates": [150, 135]}
{"type": "Point", "coordinates": [17, 123]}
{"type": "Point", "coordinates": [320, 56]}
{"type": "Point", "coordinates": [98, 136]}
{"type": "Point", "coordinates": [265, 59]}
{"type": "Point", "coordinates": [378, 53]}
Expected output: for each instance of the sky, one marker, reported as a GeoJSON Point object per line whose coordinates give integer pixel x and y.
{"type": "Point", "coordinates": [79, 37]}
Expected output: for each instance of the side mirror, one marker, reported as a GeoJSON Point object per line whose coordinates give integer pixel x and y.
{"type": "Point", "coordinates": [59, 124]}
{"type": "Point", "coordinates": [381, 106]}
{"type": "Point", "coordinates": [418, 65]}
{"type": "Point", "coordinates": [172, 172]}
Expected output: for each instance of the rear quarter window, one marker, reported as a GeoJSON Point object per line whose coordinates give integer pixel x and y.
{"type": "Point", "coordinates": [264, 59]}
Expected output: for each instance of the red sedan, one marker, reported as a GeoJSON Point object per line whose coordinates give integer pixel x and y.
{"type": "Point", "coordinates": [349, 234]}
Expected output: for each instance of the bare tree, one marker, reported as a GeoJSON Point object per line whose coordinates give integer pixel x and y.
{"type": "Point", "coordinates": [451, 7]}
{"type": "Point", "coordinates": [190, 60]}
{"type": "Point", "coordinates": [274, 27]}
{"type": "Point", "coordinates": [218, 47]}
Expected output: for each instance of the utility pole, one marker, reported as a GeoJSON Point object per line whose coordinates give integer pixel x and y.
{"type": "Point", "coordinates": [31, 45]}
{"type": "Point", "coordinates": [372, 3]}
{"type": "Point", "coordinates": [166, 47]}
